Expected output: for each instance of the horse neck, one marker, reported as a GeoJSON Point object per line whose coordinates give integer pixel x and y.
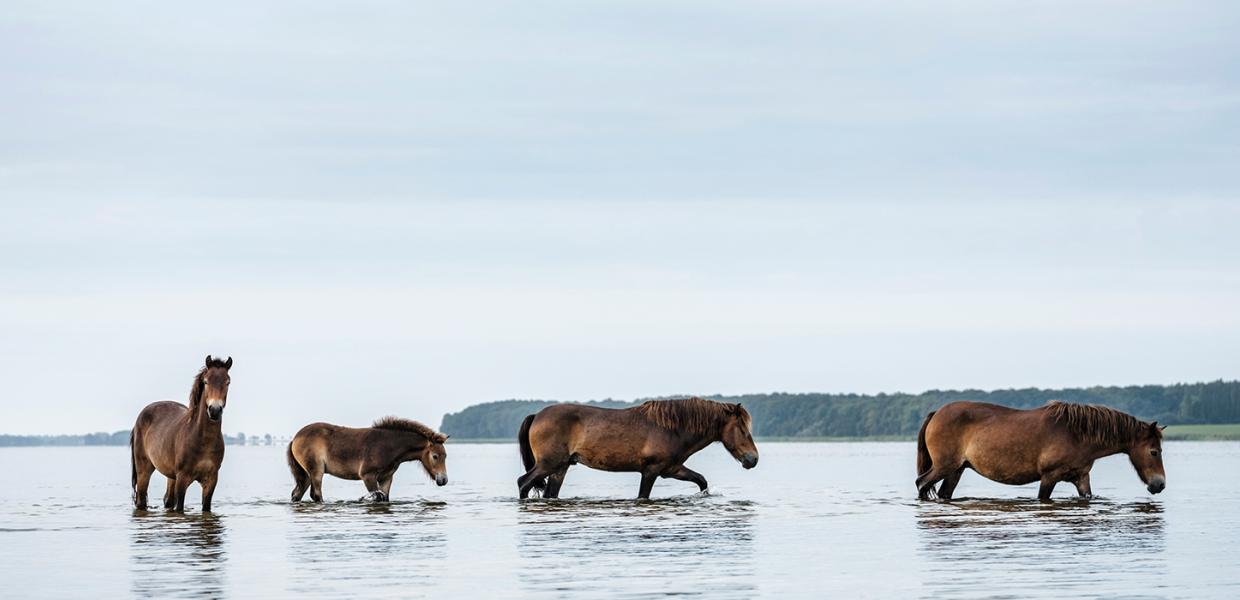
{"type": "Point", "coordinates": [411, 443]}
{"type": "Point", "coordinates": [200, 424]}
{"type": "Point", "coordinates": [1102, 451]}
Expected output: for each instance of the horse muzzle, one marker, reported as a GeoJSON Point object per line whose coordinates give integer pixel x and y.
{"type": "Point", "coordinates": [749, 461]}
{"type": "Point", "coordinates": [215, 413]}
{"type": "Point", "coordinates": [1157, 484]}
{"type": "Point", "coordinates": [441, 479]}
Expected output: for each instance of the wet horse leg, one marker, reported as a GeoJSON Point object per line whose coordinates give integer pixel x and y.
{"type": "Point", "coordinates": [1048, 486]}
{"type": "Point", "coordinates": [687, 474]}
{"type": "Point", "coordinates": [170, 493]}
{"type": "Point", "coordinates": [526, 482]}
{"type": "Point", "coordinates": [182, 484]}
{"type": "Point", "coordinates": [208, 490]}
{"type": "Point", "coordinates": [1082, 486]}
{"type": "Point", "coordinates": [643, 493]}
{"type": "Point", "coordinates": [554, 482]}
{"type": "Point", "coordinates": [949, 484]}
{"type": "Point", "coordinates": [385, 486]}
{"type": "Point", "coordinates": [936, 473]}
{"type": "Point", "coordinates": [143, 482]}
{"type": "Point", "coordinates": [316, 482]}
{"type": "Point", "coordinates": [372, 485]}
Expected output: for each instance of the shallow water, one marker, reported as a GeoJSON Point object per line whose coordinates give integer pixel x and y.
{"type": "Point", "coordinates": [811, 520]}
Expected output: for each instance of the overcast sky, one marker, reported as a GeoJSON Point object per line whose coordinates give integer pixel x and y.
{"type": "Point", "coordinates": [406, 208]}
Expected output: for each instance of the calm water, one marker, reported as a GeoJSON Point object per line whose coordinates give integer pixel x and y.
{"type": "Point", "coordinates": [813, 520]}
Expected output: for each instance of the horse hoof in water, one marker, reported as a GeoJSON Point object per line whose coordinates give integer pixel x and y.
{"type": "Point", "coordinates": [375, 497]}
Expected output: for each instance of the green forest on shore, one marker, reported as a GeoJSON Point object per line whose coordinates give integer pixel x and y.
{"type": "Point", "coordinates": [1194, 410]}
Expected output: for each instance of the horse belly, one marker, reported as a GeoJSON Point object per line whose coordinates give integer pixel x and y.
{"type": "Point", "coordinates": [1009, 463]}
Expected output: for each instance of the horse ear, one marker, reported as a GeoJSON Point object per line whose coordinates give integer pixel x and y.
{"type": "Point", "coordinates": [735, 408]}
{"type": "Point", "coordinates": [441, 438]}
{"type": "Point", "coordinates": [228, 364]}
{"type": "Point", "coordinates": [208, 360]}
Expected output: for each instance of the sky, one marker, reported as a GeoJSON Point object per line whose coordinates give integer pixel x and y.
{"type": "Point", "coordinates": [408, 208]}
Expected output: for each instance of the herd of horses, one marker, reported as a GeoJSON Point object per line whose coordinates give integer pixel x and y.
{"type": "Point", "coordinates": [1055, 443]}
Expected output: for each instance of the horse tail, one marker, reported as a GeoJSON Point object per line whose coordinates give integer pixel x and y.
{"type": "Point", "coordinates": [527, 453]}
{"type": "Point", "coordinates": [923, 454]}
{"type": "Point", "coordinates": [299, 473]}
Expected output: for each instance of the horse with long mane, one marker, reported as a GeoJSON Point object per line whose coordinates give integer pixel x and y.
{"type": "Point", "coordinates": [183, 443]}
{"type": "Point", "coordinates": [654, 439]}
{"type": "Point", "coordinates": [371, 454]}
{"type": "Point", "coordinates": [1053, 443]}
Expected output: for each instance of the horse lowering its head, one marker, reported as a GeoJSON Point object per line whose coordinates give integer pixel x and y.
{"type": "Point", "coordinates": [1055, 443]}
{"type": "Point", "coordinates": [654, 438]}
{"type": "Point", "coordinates": [371, 454]}
{"type": "Point", "coordinates": [211, 388]}
{"type": "Point", "coordinates": [1105, 427]}
{"type": "Point", "coordinates": [433, 456]}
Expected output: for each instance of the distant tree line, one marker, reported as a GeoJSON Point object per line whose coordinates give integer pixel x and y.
{"type": "Point", "coordinates": [894, 415]}
{"type": "Point", "coordinates": [100, 438]}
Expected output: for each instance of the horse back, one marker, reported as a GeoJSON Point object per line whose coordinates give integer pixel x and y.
{"type": "Point", "coordinates": [340, 450]}
{"type": "Point", "coordinates": [601, 438]}
{"type": "Point", "coordinates": [1002, 443]}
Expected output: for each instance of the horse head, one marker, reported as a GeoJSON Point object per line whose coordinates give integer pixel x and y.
{"type": "Point", "coordinates": [737, 437]}
{"type": "Point", "coordinates": [1146, 456]}
{"type": "Point", "coordinates": [214, 384]}
{"type": "Point", "coordinates": [434, 459]}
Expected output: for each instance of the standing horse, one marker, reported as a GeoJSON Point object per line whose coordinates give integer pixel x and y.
{"type": "Point", "coordinates": [370, 454]}
{"type": "Point", "coordinates": [184, 444]}
{"type": "Point", "coordinates": [654, 439]}
{"type": "Point", "coordinates": [1054, 443]}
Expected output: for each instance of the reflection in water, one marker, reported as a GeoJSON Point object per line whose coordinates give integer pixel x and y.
{"type": "Point", "coordinates": [980, 547]}
{"type": "Point", "coordinates": [581, 547]}
{"type": "Point", "coordinates": [177, 555]}
{"type": "Point", "coordinates": [337, 547]}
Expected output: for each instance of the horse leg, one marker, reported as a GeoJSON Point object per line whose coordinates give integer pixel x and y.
{"type": "Point", "coordinates": [385, 486]}
{"type": "Point", "coordinates": [643, 493]}
{"type": "Point", "coordinates": [316, 483]}
{"type": "Point", "coordinates": [526, 482]}
{"type": "Point", "coordinates": [170, 493]}
{"type": "Point", "coordinates": [1048, 486]}
{"type": "Point", "coordinates": [142, 480]}
{"type": "Point", "coordinates": [1082, 486]}
{"type": "Point", "coordinates": [182, 484]}
{"type": "Point", "coordinates": [208, 491]}
{"type": "Point", "coordinates": [372, 485]}
{"type": "Point", "coordinates": [554, 481]}
{"type": "Point", "coordinates": [925, 482]}
{"type": "Point", "coordinates": [949, 484]}
{"type": "Point", "coordinates": [687, 474]}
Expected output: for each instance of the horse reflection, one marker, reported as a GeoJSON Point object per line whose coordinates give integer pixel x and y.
{"type": "Point", "coordinates": [333, 546]}
{"type": "Point", "coordinates": [178, 556]}
{"type": "Point", "coordinates": [582, 546]}
{"type": "Point", "coordinates": [991, 544]}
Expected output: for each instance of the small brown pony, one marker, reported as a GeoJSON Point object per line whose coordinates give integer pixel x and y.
{"type": "Point", "coordinates": [654, 439]}
{"type": "Point", "coordinates": [183, 444]}
{"type": "Point", "coordinates": [1054, 443]}
{"type": "Point", "coordinates": [371, 454]}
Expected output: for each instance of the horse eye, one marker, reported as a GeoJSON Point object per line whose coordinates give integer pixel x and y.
{"type": "Point", "coordinates": [434, 457]}
{"type": "Point", "coordinates": [1153, 453]}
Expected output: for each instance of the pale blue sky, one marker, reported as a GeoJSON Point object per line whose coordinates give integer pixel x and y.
{"type": "Point", "coordinates": [409, 208]}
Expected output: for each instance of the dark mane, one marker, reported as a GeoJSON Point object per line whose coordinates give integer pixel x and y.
{"type": "Point", "coordinates": [411, 426]}
{"type": "Point", "coordinates": [1098, 424]}
{"type": "Point", "coordinates": [195, 392]}
{"type": "Point", "coordinates": [693, 415]}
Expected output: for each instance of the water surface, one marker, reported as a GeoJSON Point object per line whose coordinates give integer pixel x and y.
{"type": "Point", "coordinates": [812, 520]}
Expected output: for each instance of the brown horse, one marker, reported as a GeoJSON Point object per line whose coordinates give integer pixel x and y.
{"type": "Point", "coordinates": [654, 439]}
{"type": "Point", "coordinates": [1054, 443]}
{"type": "Point", "coordinates": [184, 444]}
{"type": "Point", "coordinates": [371, 454]}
